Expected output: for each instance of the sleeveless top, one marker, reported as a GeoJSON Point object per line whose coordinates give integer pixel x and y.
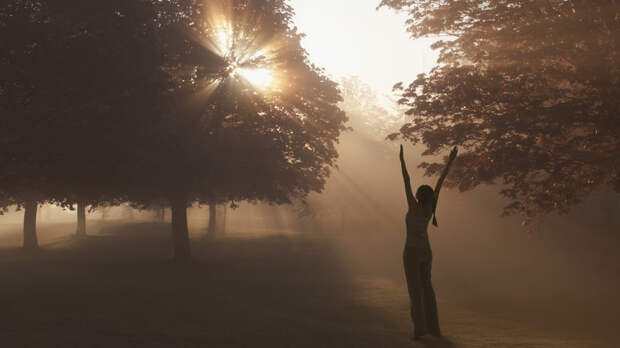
{"type": "Point", "coordinates": [417, 231]}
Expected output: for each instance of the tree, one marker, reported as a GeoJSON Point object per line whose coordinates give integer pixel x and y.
{"type": "Point", "coordinates": [213, 220]}
{"type": "Point", "coordinates": [71, 104]}
{"type": "Point", "coordinates": [230, 137]}
{"type": "Point", "coordinates": [367, 113]}
{"type": "Point", "coordinates": [217, 220]}
{"type": "Point", "coordinates": [104, 102]}
{"type": "Point", "coordinates": [23, 180]}
{"type": "Point", "coordinates": [187, 124]}
{"type": "Point", "coordinates": [528, 88]}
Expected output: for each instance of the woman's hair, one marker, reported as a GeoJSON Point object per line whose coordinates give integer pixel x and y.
{"type": "Point", "coordinates": [425, 195]}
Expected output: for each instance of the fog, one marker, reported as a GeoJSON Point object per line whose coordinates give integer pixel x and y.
{"type": "Point", "coordinates": [226, 173]}
{"type": "Point", "coordinates": [563, 277]}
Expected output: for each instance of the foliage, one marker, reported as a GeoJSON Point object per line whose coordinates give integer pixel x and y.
{"type": "Point", "coordinates": [70, 105]}
{"type": "Point", "coordinates": [84, 122]}
{"type": "Point", "coordinates": [528, 88]}
{"type": "Point", "coordinates": [367, 112]}
{"type": "Point", "coordinates": [228, 139]}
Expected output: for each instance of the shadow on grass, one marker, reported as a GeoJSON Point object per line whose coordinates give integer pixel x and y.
{"type": "Point", "coordinates": [119, 289]}
{"type": "Point", "coordinates": [434, 342]}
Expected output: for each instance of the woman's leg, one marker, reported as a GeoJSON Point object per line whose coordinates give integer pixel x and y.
{"type": "Point", "coordinates": [430, 303]}
{"type": "Point", "coordinates": [412, 273]}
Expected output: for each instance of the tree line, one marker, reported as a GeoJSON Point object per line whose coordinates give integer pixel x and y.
{"type": "Point", "coordinates": [110, 102]}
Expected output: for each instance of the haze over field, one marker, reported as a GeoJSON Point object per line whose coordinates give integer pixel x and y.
{"type": "Point", "coordinates": [239, 184]}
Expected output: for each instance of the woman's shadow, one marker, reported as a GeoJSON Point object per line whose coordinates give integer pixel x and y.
{"type": "Point", "coordinates": [434, 342]}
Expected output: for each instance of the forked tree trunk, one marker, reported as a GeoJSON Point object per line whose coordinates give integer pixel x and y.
{"type": "Point", "coordinates": [81, 219]}
{"type": "Point", "coordinates": [180, 233]}
{"type": "Point", "coordinates": [212, 220]}
{"type": "Point", "coordinates": [30, 226]}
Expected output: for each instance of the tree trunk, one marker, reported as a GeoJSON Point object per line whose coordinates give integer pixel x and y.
{"type": "Point", "coordinates": [222, 220]}
{"type": "Point", "coordinates": [180, 233]}
{"type": "Point", "coordinates": [160, 213]}
{"type": "Point", "coordinates": [81, 219]}
{"type": "Point", "coordinates": [30, 225]}
{"type": "Point", "coordinates": [212, 220]}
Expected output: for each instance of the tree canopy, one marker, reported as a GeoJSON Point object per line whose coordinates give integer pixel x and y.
{"type": "Point", "coordinates": [69, 99]}
{"type": "Point", "coordinates": [148, 101]}
{"type": "Point", "coordinates": [528, 88]}
{"type": "Point", "coordinates": [229, 138]}
{"type": "Point", "coordinates": [70, 105]}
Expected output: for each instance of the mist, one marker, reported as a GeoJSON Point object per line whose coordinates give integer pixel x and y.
{"type": "Point", "coordinates": [562, 279]}
{"type": "Point", "coordinates": [227, 173]}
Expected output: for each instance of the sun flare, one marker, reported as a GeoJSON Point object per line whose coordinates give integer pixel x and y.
{"type": "Point", "coordinates": [224, 41]}
{"type": "Point", "coordinates": [257, 77]}
{"type": "Point", "coordinates": [249, 58]}
{"type": "Point", "coordinates": [245, 62]}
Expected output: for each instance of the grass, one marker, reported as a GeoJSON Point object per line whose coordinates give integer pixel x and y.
{"type": "Point", "coordinates": [118, 288]}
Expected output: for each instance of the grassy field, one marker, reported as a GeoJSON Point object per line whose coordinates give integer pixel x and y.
{"type": "Point", "coordinates": [118, 288]}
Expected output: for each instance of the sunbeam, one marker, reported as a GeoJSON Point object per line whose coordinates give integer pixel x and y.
{"type": "Point", "coordinates": [248, 54]}
{"type": "Point", "coordinates": [257, 77]}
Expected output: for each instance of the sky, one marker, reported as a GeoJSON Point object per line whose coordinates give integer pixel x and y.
{"type": "Point", "coordinates": [352, 38]}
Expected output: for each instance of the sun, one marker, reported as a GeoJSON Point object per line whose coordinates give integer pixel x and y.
{"type": "Point", "coordinates": [244, 61]}
{"type": "Point", "coordinates": [257, 77]}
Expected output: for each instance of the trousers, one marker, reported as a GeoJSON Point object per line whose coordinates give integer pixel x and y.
{"type": "Point", "coordinates": [418, 263]}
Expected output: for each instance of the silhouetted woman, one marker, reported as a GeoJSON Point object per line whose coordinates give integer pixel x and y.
{"type": "Point", "coordinates": [417, 256]}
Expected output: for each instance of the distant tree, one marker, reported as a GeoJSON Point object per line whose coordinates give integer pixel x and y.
{"type": "Point", "coordinates": [104, 213]}
{"type": "Point", "coordinates": [217, 220]}
{"type": "Point", "coordinates": [159, 210]}
{"type": "Point", "coordinates": [366, 111]}
{"type": "Point", "coordinates": [529, 89]}
{"type": "Point", "coordinates": [222, 213]}
{"type": "Point", "coordinates": [211, 228]}
{"type": "Point", "coordinates": [371, 117]}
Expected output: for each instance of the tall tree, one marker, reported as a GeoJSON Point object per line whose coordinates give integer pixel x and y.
{"type": "Point", "coordinates": [253, 118]}
{"type": "Point", "coordinates": [189, 123]}
{"type": "Point", "coordinates": [528, 88]}
{"type": "Point", "coordinates": [24, 122]}
{"type": "Point", "coordinates": [72, 105]}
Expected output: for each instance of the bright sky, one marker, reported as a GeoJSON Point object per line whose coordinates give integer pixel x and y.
{"type": "Point", "coordinates": [349, 37]}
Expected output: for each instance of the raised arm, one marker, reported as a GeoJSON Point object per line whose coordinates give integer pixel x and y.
{"type": "Point", "coordinates": [413, 204]}
{"type": "Point", "coordinates": [445, 173]}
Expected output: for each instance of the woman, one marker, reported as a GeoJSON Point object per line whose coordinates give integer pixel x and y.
{"type": "Point", "coordinates": [417, 256]}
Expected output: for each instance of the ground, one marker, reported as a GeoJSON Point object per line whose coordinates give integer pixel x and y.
{"type": "Point", "coordinates": [118, 288]}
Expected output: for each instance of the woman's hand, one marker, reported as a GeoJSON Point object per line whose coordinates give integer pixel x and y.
{"type": "Point", "coordinates": [410, 198]}
{"type": "Point", "coordinates": [446, 169]}
{"type": "Point", "coordinates": [453, 153]}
